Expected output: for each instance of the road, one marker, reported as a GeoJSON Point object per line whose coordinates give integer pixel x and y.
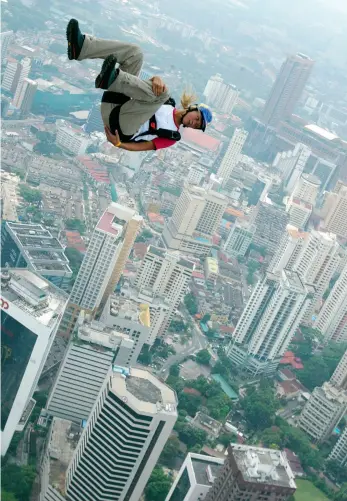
{"type": "Point", "coordinates": [197, 343]}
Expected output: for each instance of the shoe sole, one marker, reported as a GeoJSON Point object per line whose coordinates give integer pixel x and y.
{"type": "Point", "coordinates": [71, 36]}
{"type": "Point", "coordinates": [107, 66]}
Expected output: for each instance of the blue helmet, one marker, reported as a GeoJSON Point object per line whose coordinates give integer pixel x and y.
{"type": "Point", "coordinates": [206, 115]}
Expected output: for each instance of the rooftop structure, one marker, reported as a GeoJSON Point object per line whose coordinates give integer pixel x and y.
{"type": "Point", "coordinates": [32, 246]}
{"type": "Point", "coordinates": [256, 472]}
{"type": "Point", "coordinates": [195, 478]}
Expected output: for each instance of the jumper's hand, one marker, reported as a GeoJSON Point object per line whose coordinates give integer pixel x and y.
{"type": "Point", "coordinates": [112, 138]}
{"type": "Point", "coordinates": [158, 86]}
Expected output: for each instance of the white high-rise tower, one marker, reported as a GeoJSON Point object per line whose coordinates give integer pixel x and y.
{"type": "Point", "coordinates": [268, 322]}
{"type": "Point", "coordinates": [232, 154]}
{"type": "Point", "coordinates": [24, 73]}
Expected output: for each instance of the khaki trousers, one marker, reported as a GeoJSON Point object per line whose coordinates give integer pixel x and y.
{"type": "Point", "coordinates": [143, 103]}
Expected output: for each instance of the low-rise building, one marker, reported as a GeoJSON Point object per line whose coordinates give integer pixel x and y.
{"type": "Point", "coordinates": [195, 478]}
{"type": "Point", "coordinates": [71, 139]}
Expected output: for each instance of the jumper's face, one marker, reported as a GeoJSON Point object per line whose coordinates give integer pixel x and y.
{"type": "Point", "coordinates": [192, 119]}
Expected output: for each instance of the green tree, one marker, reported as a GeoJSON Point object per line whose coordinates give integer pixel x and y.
{"type": "Point", "coordinates": [75, 258]}
{"type": "Point", "coordinates": [145, 356]}
{"type": "Point", "coordinates": [206, 318]}
{"type": "Point", "coordinates": [260, 405]}
{"type": "Point", "coordinates": [170, 452]}
{"type": "Point", "coordinates": [7, 496]}
{"type": "Point", "coordinates": [203, 357]}
{"type": "Point", "coordinates": [314, 373]}
{"type": "Point", "coordinates": [157, 486]}
{"type": "Point", "coordinates": [219, 406]}
{"type": "Point", "coordinates": [192, 436]}
{"type": "Point", "coordinates": [75, 224]}
{"type": "Point", "coordinates": [18, 480]}
{"type": "Point", "coordinates": [250, 279]}
{"type": "Point", "coordinates": [174, 370]}
{"type": "Point", "coordinates": [189, 403]}
{"type": "Point", "coordinates": [227, 438]}
{"type": "Point", "coordinates": [336, 470]}
{"type": "Point", "coordinates": [191, 304]}
{"type": "Point", "coordinates": [30, 194]}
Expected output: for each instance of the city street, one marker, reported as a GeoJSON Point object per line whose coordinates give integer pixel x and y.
{"type": "Point", "coordinates": [197, 343]}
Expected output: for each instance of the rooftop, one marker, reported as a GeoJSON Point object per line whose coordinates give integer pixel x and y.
{"type": "Point", "coordinates": [205, 470]}
{"type": "Point", "coordinates": [261, 465]}
{"type": "Point", "coordinates": [143, 391]}
{"type": "Point", "coordinates": [34, 296]}
{"type": "Point", "coordinates": [129, 309]}
{"type": "Point", "coordinates": [63, 441]}
{"type": "Point", "coordinates": [319, 131]}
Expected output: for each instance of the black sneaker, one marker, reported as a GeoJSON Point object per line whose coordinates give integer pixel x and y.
{"type": "Point", "coordinates": [75, 39]}
{"type": "Point", "coordinates": [108, 73]}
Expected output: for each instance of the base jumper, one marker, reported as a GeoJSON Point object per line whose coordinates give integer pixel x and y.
{"type": "Point", "coordinates": [138, 115]}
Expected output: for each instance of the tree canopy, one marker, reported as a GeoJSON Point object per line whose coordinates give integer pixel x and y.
{"type": "Point", "coordinates": [170, 452]}
{"type": "Point", "coordinates": [191, 304]}
{"type": "Point", "coordinates": [157, 486]}
{"type": "Point", "coordinates": [18, 480]}
{"type": "Point", "coordinates": [75, 224]}
{"type": "Point", "coordinates": [260, 405]}
{"type": "Point", "coordinates": [30, 195]}
{"type": "Point", "coordinates": [203, 357]}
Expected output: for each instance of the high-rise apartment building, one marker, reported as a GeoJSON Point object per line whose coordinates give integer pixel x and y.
{"type": "Point", "coordinates": [323, 411]}
{"type": "Point", "coordinates": [129, 425]}
{"type": "Point", "coordinates": [71, 138]}
{"type": "Point", "coordinates": [195, 478]}
{"type": "Point", "coordinates": [232, 155]}
{"type": "Point", "coordinates": [221, 95]}
{"type": "Point", "coordinates": [339, 377]}
{"type": "Point", "coordinates": [239, 239]}
{"type": "Point", "coordinates": [160, 309]}
{"type": "Point", "coordinates": [31, 308]}
{"type": "Point", "coordinates": [26, 95]}
{"type": "Point", "coordinates": [289, 249]}
{"type": "Point", "coordinates": [102, 264]}
{"type": "Point", "coordinates": [5, 40]}
{"type": "Point", "coordinates": [299, 212]}
{"type": "Point", "coordinates": [291, 165]}
{"type": "Point", "coordinates": [32, 246]}
{"type": "Point", "coordinates": [270, 222]}
{"type": "Point", "coordinates": [315, 258]}
{"type": "Point", "coordinates": [334, 211]}
{"type": "Point", "coordinates": [287, 89]}
{"type": "Point", "coordinates": [307, 188]}
{"type": "Point", "coordinates": [92, 352]}
{"type": "Point", "coordinates": [332, 318]}
{"type": "Point", "coordinates": [268, 322]}
{"type": "Point", "coordinates": [94, 121]}
{"type": "Point", "coordinates": [166, 274]}
{"type": "Point", "coordinates": [14, 75]}
{"type": "Point", "coordinates": [253, 473]}
{"type": "Point", "coordinates": [339, 451]}
{"type": "Point", "coordinates": [195, 220]}
{"type": "Point", "coordinates": [24, 73]}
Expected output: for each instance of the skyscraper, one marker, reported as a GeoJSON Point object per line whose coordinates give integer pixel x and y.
{"type": "Point", "coordinates": [221, 95]}
{"type": "Point", "coordinates": [102, 264]}
{"type": "Point", "coordinates": [315, 258]}
{"type": "Point", "coordinates": [26, 95]}
{"type": "Point", "coordinates": [289, 248]}
{"type": "Point", "coordinates": [253, 473]}
{"type": "Point", "coordinates": [334, 211]}
{"type": "Point", "coordinates": [239, 239]}
{"type": "Point", "coordinates": [94, 120]}
{"type": "Point", "coordinates": [232, 155]}
{"type": "Point", "coordinates": [32, 246]}
{"type": "Point", "coordinates": [91, 354]}
{"type": "Point", "coordinates": [307, 188]}
{"type": "Point", "coordinates": [6, 38]}
{"type": "Point", "coordinates": [25, 66]}
{"type": "Point", "coordinates": [323, 411]}
{"type": "Point", "coordinates": [196, 217]}
{"type": "Point", "coordinates": [339, 452]}
{"type": "Point", "coordinates": [287, 89]}
{"type": "Point", "coordinates": [270, 222]}
{"type": "Point", "coordinates": [291, 165]}
{"type": "Point", "coordinates": [11, 75]}
{"type": "Point", "coordinates": [339, 377]}
{"type": "Point", "coordinates": [268, 322]}
{"type": "Point", "coordinates": [121, 443]}
{"type": "Point", "coordinates": [31, 308]}
{"type": "Point", "coordinates": [332, 318]}
{"type": "Point", "coordinates": [166, 274]}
